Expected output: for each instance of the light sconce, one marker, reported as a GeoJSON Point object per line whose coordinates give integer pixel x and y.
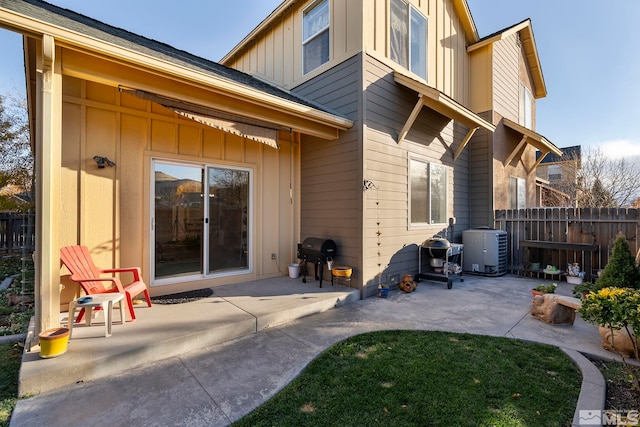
{"type": "Point", "coordinates": [103, 161]}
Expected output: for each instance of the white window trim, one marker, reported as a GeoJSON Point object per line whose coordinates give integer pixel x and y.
{"type": "Point", "coordinates": [411, 8]}
{"type": "Point", "coordinates": [317, 33]}
{"type": "Point", "coordinates": [446, 193]}
{"type": "Point", "coordinates": [521, 187]}
{"type": "Point", "coordinates": [428, 164]}
{"type": "Point", "coordinates": [205, 267]}
{"type": "Point", "coordinates": [525, 107]}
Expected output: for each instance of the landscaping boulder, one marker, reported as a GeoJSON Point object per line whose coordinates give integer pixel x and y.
{"type": "Point", "coordinates": [555, 309]}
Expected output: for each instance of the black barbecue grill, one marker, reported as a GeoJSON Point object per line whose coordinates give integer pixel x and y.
{"type": "Point", "coordinates": [318, 251]}
{"type": "Point", "coordinates": [439, 252]}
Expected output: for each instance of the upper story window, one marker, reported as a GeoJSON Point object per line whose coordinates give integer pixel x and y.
{"type": "Point", "coordinates": [315, 36]}
{"type": "Point", "coordinates": [408, 37]}
{"type": "Point", "coordinates": [517, 193]}
{"type": "Point", "coordinates": [428, 189]}
{"type": "Point", "coordinates": [526, 107]}
{"type": "Point", "coordinates": [555, 172]}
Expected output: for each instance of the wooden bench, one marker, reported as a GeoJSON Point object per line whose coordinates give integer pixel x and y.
{"type": "Point", "coordinates": [561, 246]}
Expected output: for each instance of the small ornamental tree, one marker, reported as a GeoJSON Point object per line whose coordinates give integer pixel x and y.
{"type": "Point", "coordinates": [621, 270]}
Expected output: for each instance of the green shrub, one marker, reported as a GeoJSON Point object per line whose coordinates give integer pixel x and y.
{"type": "Point", "coordinates": [621, 270]}
{"type": "Point", "coordinates": [9, 266]}
{"type": "Point", "coordinates": [547, 289]}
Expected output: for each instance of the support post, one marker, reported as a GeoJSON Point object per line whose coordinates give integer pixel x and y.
{"type": "Point", "coordinates": [48, 143]}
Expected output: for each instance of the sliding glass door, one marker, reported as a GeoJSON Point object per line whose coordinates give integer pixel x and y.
{"type": "Point", "coordinates": [229, 219]}
{"type": "Point", "coordinates": [193, 235]}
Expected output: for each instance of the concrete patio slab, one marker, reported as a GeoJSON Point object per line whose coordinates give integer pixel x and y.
{"type": "Point", "coordinates": [213, 382]}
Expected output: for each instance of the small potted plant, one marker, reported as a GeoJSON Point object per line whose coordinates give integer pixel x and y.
{"type": "Point", "coordinates": [582, 290]}
{"type": "Point", "coordinates": [574, 275]}
{"type": "Point", "coordinates": [544, 289]}
{"type": "Point", "coordinates": [383, 291]}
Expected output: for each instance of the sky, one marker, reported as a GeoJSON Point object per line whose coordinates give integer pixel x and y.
{"type": "Point", "coordinates": [589, 52]}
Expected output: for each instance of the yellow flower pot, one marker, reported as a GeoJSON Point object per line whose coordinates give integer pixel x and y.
{"type": "Point", "coordinates": [53, 342]}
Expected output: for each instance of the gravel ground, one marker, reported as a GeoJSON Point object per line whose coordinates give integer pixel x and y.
{"type": "Point", "coordinates": [182, 297]}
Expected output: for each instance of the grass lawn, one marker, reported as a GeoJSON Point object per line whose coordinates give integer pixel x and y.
{"type": "Point", "coordinates": [10, 355]}
{"type": "Point", "coordinates": [419, 378]}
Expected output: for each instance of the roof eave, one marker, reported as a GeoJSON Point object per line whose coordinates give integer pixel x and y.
{"type": "Point", "coordinates": [535, 139]}
{"type": "Point", "coordinates": [256, 32]}
{"type": "Point", "coordinates": [466, 19]}
{"type": "Point", "coordinates": [78, 41]}
{"type": "Point", "coordinates": [530, 50]}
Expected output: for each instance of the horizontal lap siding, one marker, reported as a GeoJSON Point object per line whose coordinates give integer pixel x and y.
{"type": "Point", "coordinates": [387, 107]}
{"type": "Point", "coordinates": [506, 84]}
{"type": "Point", "coordinates": [331, 171]}
{"type": "Point", "coordinates": [481, 178]}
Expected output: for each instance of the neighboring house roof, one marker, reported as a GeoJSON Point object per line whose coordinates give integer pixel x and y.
{"type": "Point", "coordinates": [574, 152]}
{"type": "Point", "coordinates": [79, 30]}
{"type": "Point", "coordinates": [527, 39]}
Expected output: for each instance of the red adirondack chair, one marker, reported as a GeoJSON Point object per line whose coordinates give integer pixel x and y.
{"type": "Point", "coordinates": [79, 262]}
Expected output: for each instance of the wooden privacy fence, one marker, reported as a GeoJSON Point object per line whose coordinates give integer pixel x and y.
{"type": "Point", "coordinates": [558, 236]}
{"type": "Point", "coordinates": [16, 232]}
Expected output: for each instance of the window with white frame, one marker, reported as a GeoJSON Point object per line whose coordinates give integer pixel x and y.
{"type": "Point", "coordinates": [526, 107]}
{"type": "Point", "coordinates": [428, 192]}
{"type": "Point", "coordinates": [517, 193]}
{"type": "Point", "coordinates": [554, 172]}
{"type": "Point", "coordinates": [408, 37]}
{"type": "Point", "coordinates": [315, 36]}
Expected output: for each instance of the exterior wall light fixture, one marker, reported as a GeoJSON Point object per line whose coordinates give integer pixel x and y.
{"type": "Point", "coordinates": [103, 161]}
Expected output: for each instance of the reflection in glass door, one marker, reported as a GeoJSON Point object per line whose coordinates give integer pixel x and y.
{"type": "Point", "coordinates": [178, 220]}
{"type": "Point", "coordinates": [187, 230]}
{"type": "Point", "coordinates": [228, 191]}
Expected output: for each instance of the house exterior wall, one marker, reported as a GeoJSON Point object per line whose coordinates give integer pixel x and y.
{"type": "Point", "coordinates": [481, 80]}
{"type": "Point", "coordinates": [108, 209]}
{"type": "Point", "coordinates": [331, 171]}
{"type": "Point", "coordinates": [276, 56]}
{"type": "Point", "coordinates": [447, 59]}
{"type": "Point", "coordinates": [358, 82]}
{"type": "Point", "coordinates": [481, 185]}
{"type": "Point", "coordinates": [386, 163]}
{"type": "Point", "coordinates": [506, 77]}
{"type": "Point", "coordinates": [360, 26]}
{"type": "Point", "coordinates": [333, 201]}
{"type": "Point", "coordinates": [479, 179]}
{"type": "Point", "coordinates": [509, 71]}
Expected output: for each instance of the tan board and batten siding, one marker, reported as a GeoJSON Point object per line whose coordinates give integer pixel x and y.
{"type": "Point", "coordinates": [358, 25]}
{"type": "Point", "coordinates": [276, 56]}
{"type": "Point", "coordinates": [108, 208]}
{"type": "Point", "coordinates": [359, 77]}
